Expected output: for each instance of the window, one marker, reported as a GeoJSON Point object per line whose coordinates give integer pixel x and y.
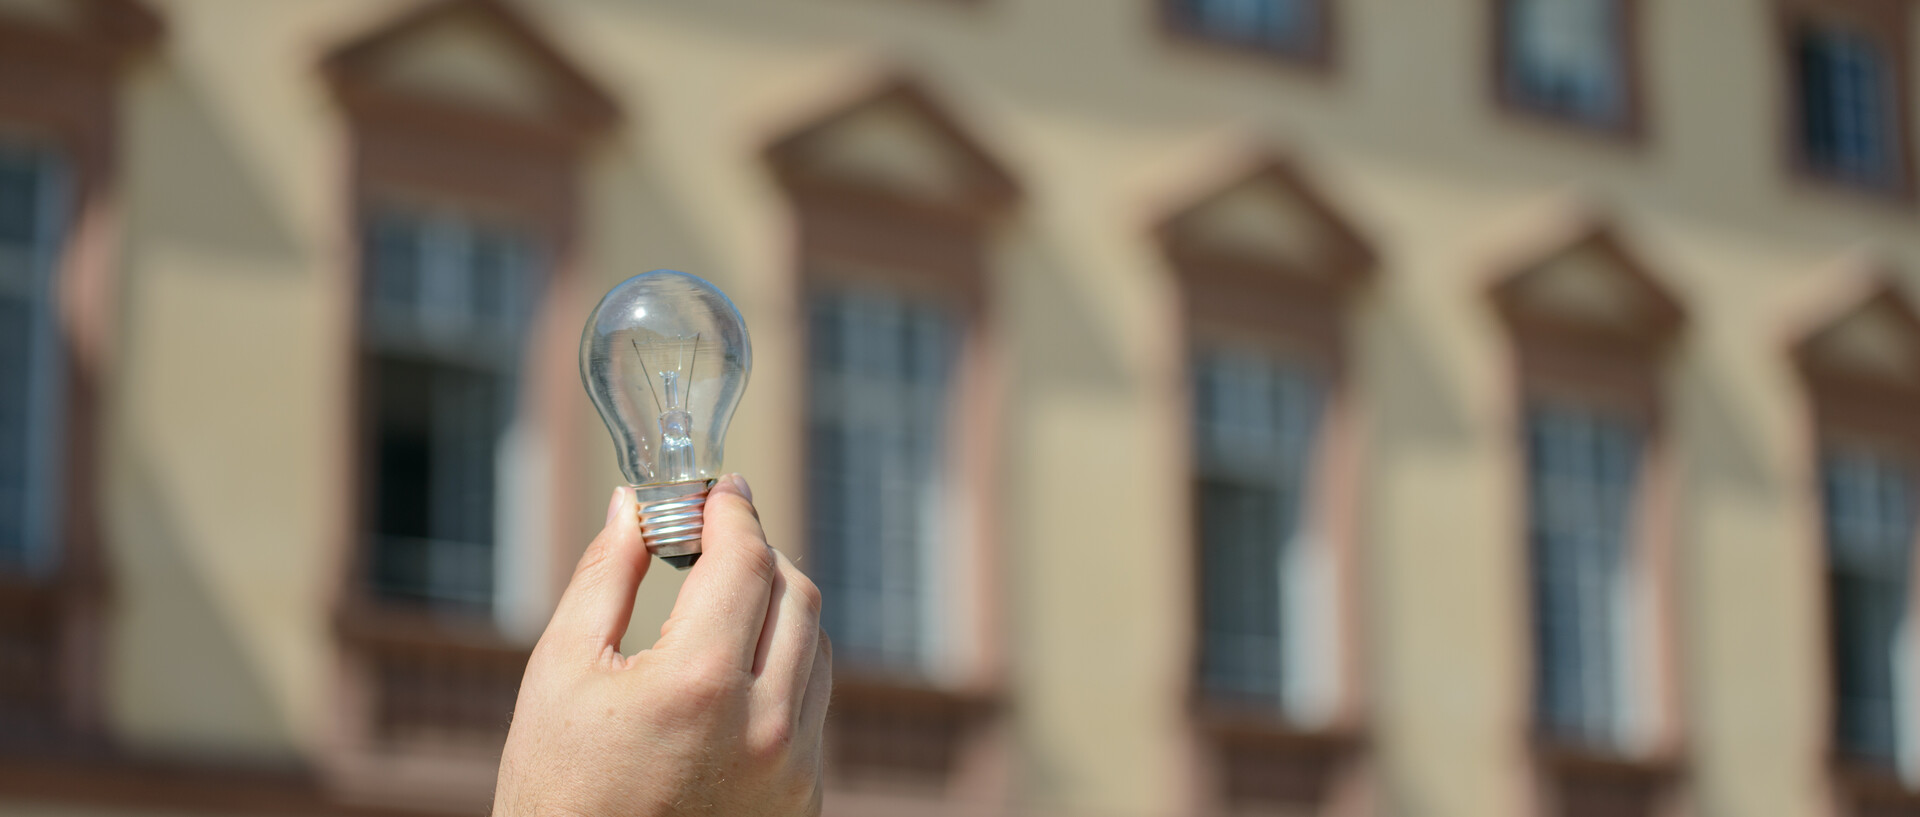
{"type": "Point", "coordinates": [1581, 474]}
{"type": "Point", "coordinates": [1863, 408]}
{"type": "Point", "coordinates": [1592, 329]}
{"type": "Point", "coordinates": [1294, 28]}
{"type": "Point", "coordinates": [59, 129]}
{"type": "Point", "coordinates": [1849, 128]}
{"type": "Point", "coordinates": [1269, 271]}
{"type": "Point", "coordinates": [892, 280]}
{"type": "Point", "coordinates": [1869, 501]}
{"type": "Point", "coordinates": [1568, 59]}
{"type": "Point", "coordinates": [465, 195]}
{"type": "Point", "coordinates": [1844, 64]}
{"type": "Point", "coordinates": [880, 382]}
{"type": "Point", "coordinates": [443, 333]}
{"type": "Point", "coordinates": [30, 358]}
{"type": "Point", "coordinates": [1255, 422]}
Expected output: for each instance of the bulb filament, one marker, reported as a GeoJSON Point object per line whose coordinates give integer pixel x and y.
{"type": "Point", "coordinates": [677, 462]}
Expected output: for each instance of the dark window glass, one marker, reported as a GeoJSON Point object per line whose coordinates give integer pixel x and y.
{"type": "Point", "coordinates": [1870, 536]}
{"type": "Point", "coordinates": [1848, 126]}
{"type": "Point", "coordinates": [880, 383]}
{"type": "Point", "coordinates": [1581, 473]}
{"type": "Point", "coordinates": [1285, 26]}
{"type": "Point", "coordinates": [444, 319]}
{"type": "Point", "coordinates": [1255, 421]}
{"type": "Point", "coordinates": [30, 359]}
{"type": "Point", "coordinates": [1566, 58]}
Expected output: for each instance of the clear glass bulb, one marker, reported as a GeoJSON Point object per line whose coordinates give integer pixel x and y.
{"type": "Point", "coordinates": [665, 357]}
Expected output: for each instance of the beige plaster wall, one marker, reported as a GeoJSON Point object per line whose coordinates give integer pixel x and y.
{"type": "Point", "coordinates": [224, 460]}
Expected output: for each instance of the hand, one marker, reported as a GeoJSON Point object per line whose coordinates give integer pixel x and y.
{"type": "Point", "coordinates": [722, 715]}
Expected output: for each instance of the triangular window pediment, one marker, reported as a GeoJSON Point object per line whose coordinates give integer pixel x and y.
{"type": "Point", "coordinates": [895, 144]}
{"type": "Point", "coordinates": [474, 55]}
{"type": "Point", "coordinates": [1878, 339]}
{"type": "Point", "coordinates": [1592, 283]}
{"type": "Point", "coordinates": [463, 60]}
{"type": "Point", "coordinates": [1269, 218]}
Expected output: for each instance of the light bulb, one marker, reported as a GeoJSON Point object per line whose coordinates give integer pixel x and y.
{"type": "Point", "coordinates": [665, 357]}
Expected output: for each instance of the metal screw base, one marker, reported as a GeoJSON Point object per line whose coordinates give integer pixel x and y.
{"type": "Point", "coordinates": [672, 518]}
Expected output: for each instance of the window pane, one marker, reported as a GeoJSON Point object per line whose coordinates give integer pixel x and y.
{"type": "Point", "coordinates": [1847, 125]}
{"type": "Point", "coordinates": [1580, 472]}
{"type": "Point", "coordinates": [880, 374]}
{"type": "Point", "coordinates": [1255, 421]}
{"type": "Point", "coordinates": [1870, 534]}
{"type": "Point", "coordinates": [1567, 58]}
{"type": "Point", "coordinates": [29, 358]}
{"type": "Point", "coordinates": [1280, 25]}
{"type": "Point", "coordinates": [439, 369]}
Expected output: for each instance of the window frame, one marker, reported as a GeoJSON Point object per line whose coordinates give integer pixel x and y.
{"type": "Point", "coordinates": [1886, 21]}
{"type": "Point", "coordinates": [409, 149]}
{"type": "Point", "coordinates": [1854, 409]}
{"type": "Point", "coordinates": [1632, 126]}
{"type": "Point", "coordinates": [1556, 358]}
{"type": "Point", "coordinates": [1302, 311]}
{"type": "Point", "coordinates": [59, 91]}
{"type": "Point", "coordinates": [1321, 57]}
{"type": "Point", "coordinates": [852, 231]}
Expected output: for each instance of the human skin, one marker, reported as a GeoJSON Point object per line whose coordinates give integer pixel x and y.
{"type": "Point", "coordinates": [722, 715]}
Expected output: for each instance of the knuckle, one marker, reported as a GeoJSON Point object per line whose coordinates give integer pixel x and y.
{"type": "Point", "coordinates": [807, 592]}
{"type": "Point", "coordinates": [758, 559]}
{"type": "Point", "coordinates": [775, 740]}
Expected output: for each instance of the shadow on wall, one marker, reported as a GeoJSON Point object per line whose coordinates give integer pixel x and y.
{"type": "Point", "coordinates": [177, 655]}
{"type": "Point", "coordinates": [189, 181]}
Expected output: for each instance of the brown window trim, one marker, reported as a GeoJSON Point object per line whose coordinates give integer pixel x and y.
{"type": "Point", "coordinates": [1320, 59]}
{"type": "Point", "coordinates": [849, 230]}
{"type": "Point", "coordinates": [1848, 406]}
{"type": "Point", "coordinates": [398, 665]}
{"type": "Point", "coordinates": [1301, 310]}
{"type": "Point", "coordinates": [1604, 784]}
{"type": "Point", "coordinates": [1889, 21]}
{"type": "Point", "coordinates": [1621, 369]}
{"type": "Point", "coordinates": [1859, 789]}
{"type": "Point", "coordinates": [1633, 128]}
{"type": "Point", "coordinates": [138, 784]}
{"type": "Point", "coordinates": [59, 88]}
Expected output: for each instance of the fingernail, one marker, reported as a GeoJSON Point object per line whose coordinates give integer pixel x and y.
{"type": "Point", "coordinates": [740, 484]}
{"type": "Point", "coordinates": [613, 505]}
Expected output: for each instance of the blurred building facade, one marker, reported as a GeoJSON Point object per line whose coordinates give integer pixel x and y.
{"type": "Point", "coordinates": [1323, 407]}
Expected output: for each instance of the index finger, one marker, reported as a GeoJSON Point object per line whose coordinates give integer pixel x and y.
{"type": "Point", "coordinates": [723, 603]}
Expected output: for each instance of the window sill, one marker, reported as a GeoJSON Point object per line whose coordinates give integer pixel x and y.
{"type": "Point", "coordinates": [1591, 782]}
{"type": "Point", "coordinates": [1314, 61]}
{"type": "Point", "coordinates": [427, 700]}
{"type": "Point", "coordinates": [110, 780]}
{"type": "Point", "coordinates": [1897, 197]}
{"type": "Point", "coordinates": [1262, 762]}
{"type": "Point", "coordinates": [1627, 135]}
{"type": "Point", "coordinates": [1862, 788]}
{"type": "Point", "coordinates": [906, 736]}
{"type": "Point", "coordinates": [49, 638]}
